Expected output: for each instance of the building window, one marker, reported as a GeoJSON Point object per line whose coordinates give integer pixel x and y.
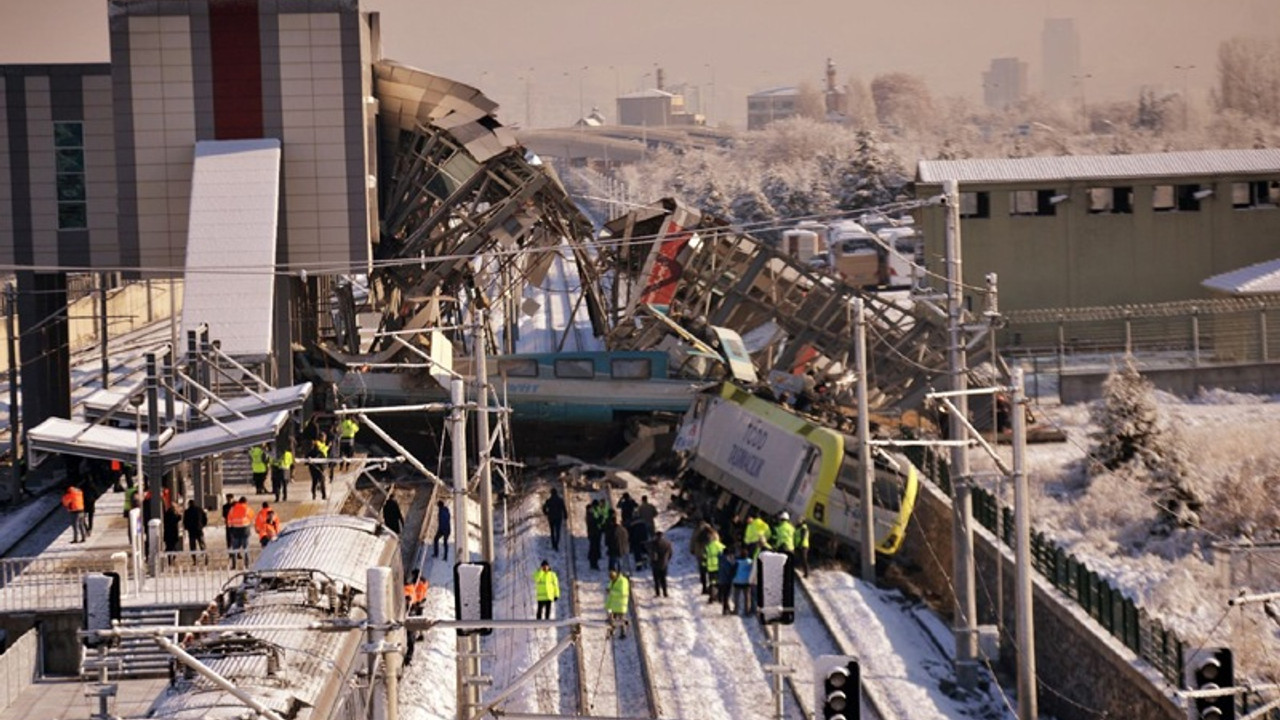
{"type": "Point", "coordinates": [1110, 200]}
{"type": "Point", "coordinates": [1162, 198]}
{"type": "Point", "coordinates": [68, 144]}
{"type": "Point", "coordinates": [1260, 193]}
{"type": "Point", "coordinates": [975, 204]}
{"type": "Point", "coordinates": [1187, 200]}
{"type": "Point", "coordinates": [1031, 202]}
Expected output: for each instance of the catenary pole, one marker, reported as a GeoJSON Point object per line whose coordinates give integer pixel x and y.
{"type": "Point", "coordinates": [864, 443]}
{"type": "Point", "coordinates": [1022, 558]}
{"type": "Point", "coordinates": [478, 337]}
{"type": "Point", "coordinates": [966, 601]}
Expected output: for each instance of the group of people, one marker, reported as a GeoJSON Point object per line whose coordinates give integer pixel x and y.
{"type": "Point", "coordinates": [625, 532]}
{"type": "Point", "coordinates": [239, 518]}
{"type": "Point", "coordinates": [727, 573]}
{"type": "Point", "coordinates": [280, 466]}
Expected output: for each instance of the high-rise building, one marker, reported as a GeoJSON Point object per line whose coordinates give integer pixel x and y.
{"type": "Point", "coordinates": [1060, 45]}
{"type": "Point", "coordinates": [1005, 83]}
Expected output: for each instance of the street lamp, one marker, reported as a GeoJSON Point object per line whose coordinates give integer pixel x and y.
{"type": "Point", "coordinates": [139, 495]}
{"type": "Point", "coordinates": [1084, 108]}
{"type": "Point", "coordinates": [1186, 95]}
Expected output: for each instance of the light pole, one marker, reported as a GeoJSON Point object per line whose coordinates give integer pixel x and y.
{"type": "Point", "coordinates": [1084, 108]}
{"type": "Point", "coordinates": [1186, 95]}
{"type": "Point", "coordinates": [582, 75]}
{"type": "Point", "coordinates": [712, 110]}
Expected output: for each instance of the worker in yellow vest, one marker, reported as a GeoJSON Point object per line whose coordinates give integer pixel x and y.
{"type": "Point", "coordinates": [616, 602]}
{"type": "Point", "coordinates": [347, 430]}
{"type": "Point", "coordinates": [258, 466]}
{"type": "Point", "coordinates": [319, 451]}
{"type": "Point", "coordinates": [712, 560]}
{"type": "Point", "coordinates": [547, 585]}
{"type": "Point", "coordinates": [784, 534]}
{"type": "Point", "coordinates": [757, 533]}
{"type": "Point", "coordinates": [281, 474]}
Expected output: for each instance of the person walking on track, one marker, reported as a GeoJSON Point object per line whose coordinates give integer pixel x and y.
{"type": "Point", "coordinates": [616, 602]}
{"type": "Point", "coordinates": [555, 511]}
{"type": "Point", "coordinates": [547, 585]}
{"type": "Point", "coordinates": [444, 528]}
{"type": "Point", "coordinates": [660, 551]}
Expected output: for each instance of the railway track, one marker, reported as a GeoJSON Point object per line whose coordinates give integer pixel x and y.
{"type": "Point", "coordinates": [627, 690]}
{"type": "Point", "coordinates": [832, 641]}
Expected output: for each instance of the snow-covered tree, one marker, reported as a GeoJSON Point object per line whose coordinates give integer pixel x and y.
{"type": "Point", "coordinates": [1132, 440]}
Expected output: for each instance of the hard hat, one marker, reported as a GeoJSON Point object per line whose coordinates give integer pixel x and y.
{"type": "Point", "coordinates": [784, 515]}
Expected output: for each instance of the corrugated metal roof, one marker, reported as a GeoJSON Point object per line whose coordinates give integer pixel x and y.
{"type": "Point", "coordinates": [1196, 163]}
{"type": "Point", "coordinates": [650, 93]}
{"type": "Point", "coordinates": [1259, 279]}
{"type": "Point", "coordinates": [408, 97]}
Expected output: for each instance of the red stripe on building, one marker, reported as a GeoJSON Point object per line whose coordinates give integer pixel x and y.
{"type": "Point", "coordinates": [237, 69]}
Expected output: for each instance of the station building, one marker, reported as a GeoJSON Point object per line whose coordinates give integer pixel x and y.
{"type": "Point", "coordinates": [1084, 231]}
{"type": "Point", "coordinates": [236, 143]}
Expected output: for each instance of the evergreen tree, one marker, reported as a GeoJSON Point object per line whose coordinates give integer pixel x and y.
{"type": "Point", "coordinates": [1131, 439]}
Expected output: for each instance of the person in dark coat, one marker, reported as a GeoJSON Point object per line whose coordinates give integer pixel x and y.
{"type": "Point", "coordinates": [660, 551]}
{"type": "Point", "coordinates": [444, 528]}
{"type": "Point", "coordinates": [194, 520]}
{"type": "Point", "coordinates": [90, 505]}
{"type": "Point", "coordinates": [617, 545]}
{"type": "Point", "coordinates": [648, 513]}
{"type": "Point", "coordinates": [724, 581]}
{"type": "Point", "coordinates": [593, 536]}
{"type": "Point", "coordinates": [172, 532]}
{"type": "Point", "coordinates": [392, 517]}
{"type": "Point", "coordinates": [627, 506]}
{"type": "Point", "coordinates": [555, 511]}
{"type": "Point", "coordinates": [638, 534]}
{"type": "Point", "coordinates": [226, 510]}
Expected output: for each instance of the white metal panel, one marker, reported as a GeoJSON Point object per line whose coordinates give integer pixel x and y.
{"type": "Point", "coordinates": [231, 244]}
{"type": "Point", "coordinates": [757, 453]}
{"type": "Point", "coordinates": [1256, 279]}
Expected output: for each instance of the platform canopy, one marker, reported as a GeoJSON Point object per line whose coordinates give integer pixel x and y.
{"type": "Point", "coordinates": [75, 437]}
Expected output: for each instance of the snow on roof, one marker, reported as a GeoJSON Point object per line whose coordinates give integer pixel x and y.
{"type": "Point", "coordinates": [1100, 167]}
{"type": "Point", "coordinates": [776, 92]}
{"type": "Point", "coordinates": [1263, 277]}
{"type": "Point", "coordinates": [650, 93]}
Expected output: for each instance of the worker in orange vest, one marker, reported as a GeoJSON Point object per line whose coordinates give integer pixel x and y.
{"type": "Point", "coordinates": [73, 501]}
{"type": "Point", "coordinates": [239, 520]}
{"type": "Point", "coordinates": [267, 524]}
{"type": "Point", "coordinates": [415, 593]}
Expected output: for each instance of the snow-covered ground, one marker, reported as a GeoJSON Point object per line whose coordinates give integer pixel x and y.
{"type": "Point", "coordinates": [703, 664]}
{"type": "Point", "coordinates": [1235, 459]}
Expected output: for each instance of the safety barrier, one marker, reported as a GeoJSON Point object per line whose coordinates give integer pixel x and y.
{"type": "Point", "coordinates": [54, 583]}
{"type": "Point", "coordinates": [18, 667]}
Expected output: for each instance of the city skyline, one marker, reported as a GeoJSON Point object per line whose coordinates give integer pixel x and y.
{"type": "Point", "coordinates": [570, 55]}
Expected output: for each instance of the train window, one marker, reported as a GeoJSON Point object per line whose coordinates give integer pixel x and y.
{"type": "Point", "coordinates": [518, 367]}
{"type": "Point", "coordinates": [577, 368]}
{"type": "Point", "coordinates": [631, 368]}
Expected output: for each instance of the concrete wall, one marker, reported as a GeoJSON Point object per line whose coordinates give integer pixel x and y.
{"type": "Point", "coordinates": [18, 666]}
{"type": "Point", "coordinates": [1259, 378]}
{"type": "Point", "coordinates": [1083, 672]}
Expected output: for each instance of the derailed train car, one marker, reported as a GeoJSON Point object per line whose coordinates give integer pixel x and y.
{"type": "Point", "coordinates": [775, 460]}
{"type": "Point", "coordinates": [314, 571]}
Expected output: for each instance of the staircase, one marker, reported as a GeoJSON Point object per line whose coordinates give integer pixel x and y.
{"type": "Point", "coordinates": [134, 657]}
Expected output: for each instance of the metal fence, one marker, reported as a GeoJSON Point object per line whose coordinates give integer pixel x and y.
{"type": "Point", "coordinates": [1104, 602]}
{"type": "Point", "coordinates": [54, 583]}
{"type": "Point", "coordinates": [1190, 333]}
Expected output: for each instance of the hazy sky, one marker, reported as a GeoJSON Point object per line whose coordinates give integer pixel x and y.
{"type": "Point", "coordinates": [557, 50]}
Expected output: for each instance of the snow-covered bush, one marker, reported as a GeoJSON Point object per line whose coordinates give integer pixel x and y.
{"type": "Point", "coordinates": [1131, 440]}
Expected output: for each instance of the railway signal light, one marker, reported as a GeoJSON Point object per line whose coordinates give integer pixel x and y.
{"type": "Point", "coordinates": [101, 605]}
{"type": "Point", "coordinates": [1212, 669]}
{"type": "Point", "coordinates": [473, 596]}
{"type": "Point", "coordinates": [836, 681]}
{"type": "Point", "coordinates": [776, 590]}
